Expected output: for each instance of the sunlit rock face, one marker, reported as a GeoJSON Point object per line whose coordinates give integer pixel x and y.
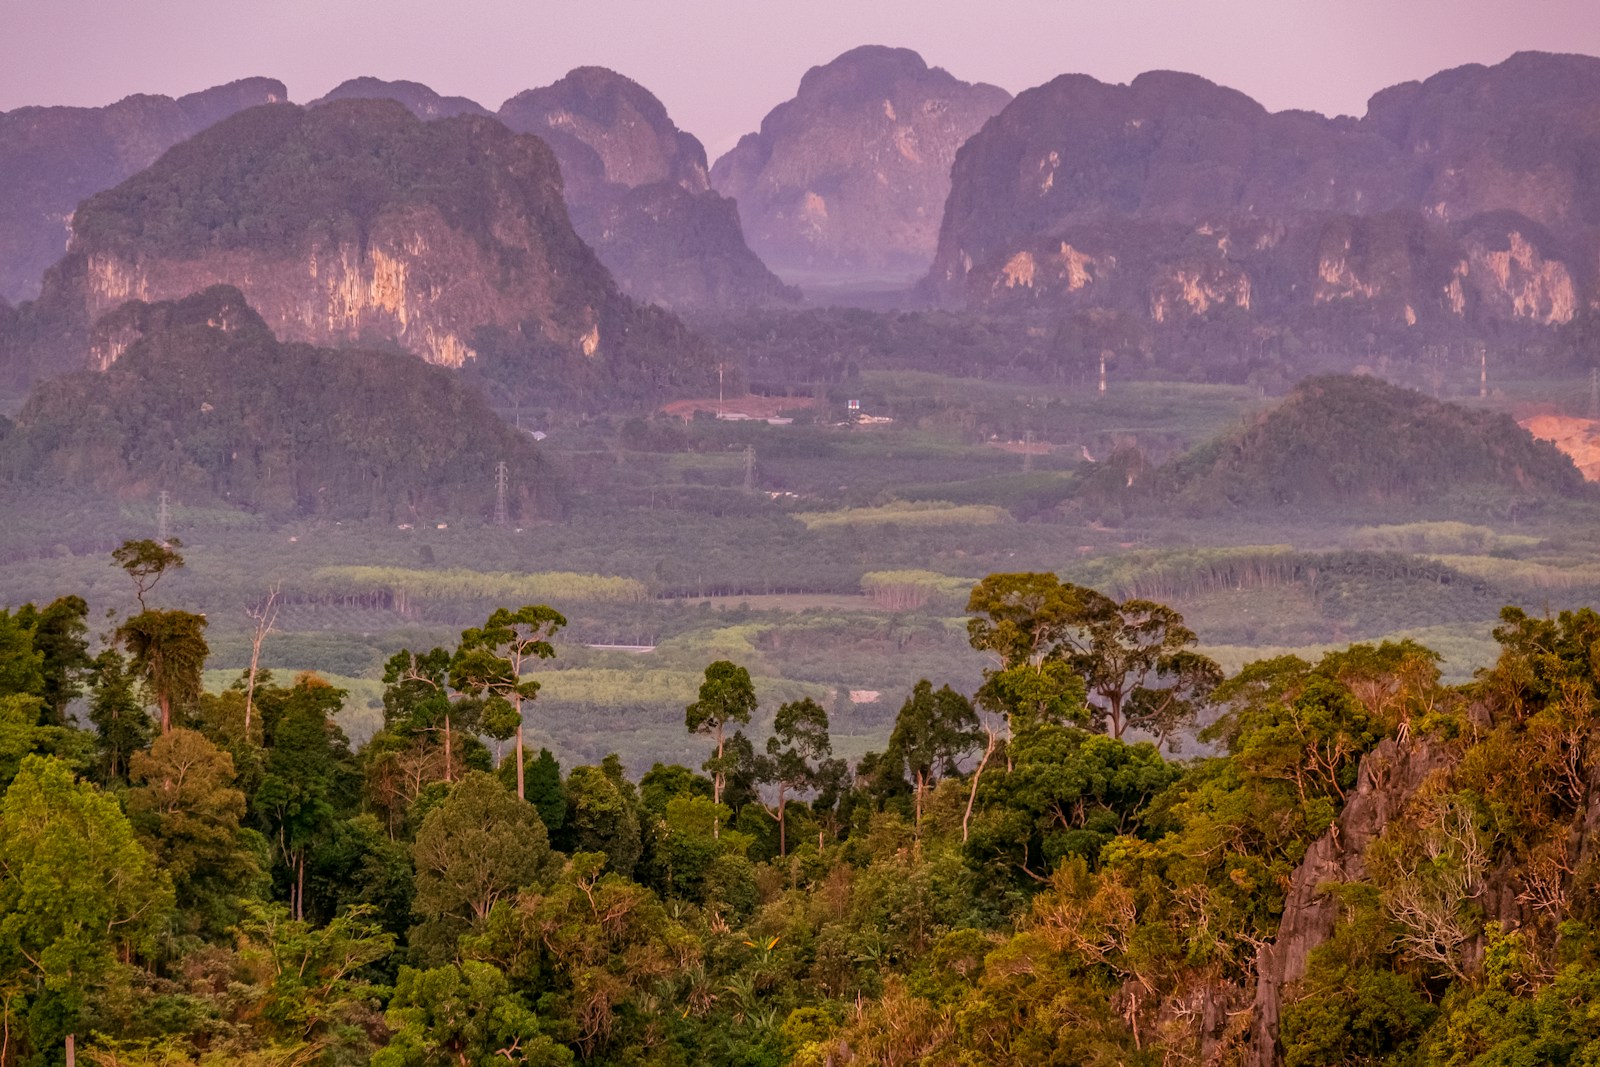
{"type": "Point", "coordinates": [851, 175]}
{"type": "Point", "coordinates": [414, 283]}
{"type": "Point", "coordinates": [640, 193]}
{"type": "Point", "coordinates": [51, 158]}
{"type": "Point", "coordinates": [1461, 198]}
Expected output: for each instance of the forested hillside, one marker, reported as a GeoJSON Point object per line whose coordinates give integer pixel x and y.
{"type": "Point", "coordinates": [1357, 865]}
{"type": "Point", "coordinates": [1345, 439]}
{"type": "Point", "coordinates": [205, 402]}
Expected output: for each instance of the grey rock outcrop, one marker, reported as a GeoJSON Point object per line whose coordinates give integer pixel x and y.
{"type": "Point", "coordinates": [1390, 776]}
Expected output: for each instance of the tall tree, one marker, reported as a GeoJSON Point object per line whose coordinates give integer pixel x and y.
{"type": "Point", "coordinates": [307, 778]}
{"type": "Point", "coordinates": [796, 750]}
{"type": "Point", "coordinates": [147, 562]}
{"type": "Point", "coordinates": [477, 847]}
{"type": "Point", "coordinates": [727, 696]}
{"type": "Point", "coordinates": [1137, 661]}
{"type": "Point", "coordinates": [492, 658]}
{"type": "Point", "coordinates": [168, 650]}
{"type": "Point", "coordinates": [185, 804]}
{"type": "Point", "coordinates": [933, 730]}
{"type": "Point", "coordinates": [417, 701]}
{"type": "Point", "coordinates": [1031, 618]}
{"type": "Point", "coordinates": [60, 637]}
{"type": "Point", "coordinates": [78, 895]}
{"type": "Point", "coordinates": [263, 616]}
{"type": "Point", "coordinates": [603, 816]}
{"type": "Point", "coordinates": [1136, 658]}
{"type": "Point", "coordinates": [21, 665]}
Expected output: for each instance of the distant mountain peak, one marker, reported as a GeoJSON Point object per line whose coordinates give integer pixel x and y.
{"type": "Point", "coordinates": [849, 177]}
{"type": "Point", "coordinates": [419, 99]}
{"type": "Point", "coordinates": [1456, 199]}
{"type": "Point", "coordinates": [629, 137]}
{"type": "Point", "coordinates": [640, 194]}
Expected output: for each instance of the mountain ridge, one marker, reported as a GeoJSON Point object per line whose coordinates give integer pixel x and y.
{"type": "Point", "coordinates": [639, 191]}
{"type": "Point", "coordinates": [1455, 199]}
{"type": "Point", "coordinates": [53, 157]}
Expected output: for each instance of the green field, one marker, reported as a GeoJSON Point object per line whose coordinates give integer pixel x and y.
{"type": "Point", "coordinates": [844, 568]}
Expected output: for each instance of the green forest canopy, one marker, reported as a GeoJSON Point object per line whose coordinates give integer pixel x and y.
{"type": "Point", "coordinates": [1003, 883]}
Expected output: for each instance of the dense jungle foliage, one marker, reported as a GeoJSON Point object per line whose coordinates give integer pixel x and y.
{"type": "Point", "coordinates": [1024, 874]}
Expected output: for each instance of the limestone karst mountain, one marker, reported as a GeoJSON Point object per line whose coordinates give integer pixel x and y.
{"type": "Point", "coordinates": [356, 223]}
{"type": "Point", "coordinates": [1461, 198]}
{"type": "Point", "coordinates": [639, 193]}
{"type": "Point", "coordinates": [53, 157]}
{"type": "Point", "coordinates": [849, 178]}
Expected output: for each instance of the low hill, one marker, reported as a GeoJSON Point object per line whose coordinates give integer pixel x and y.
{"type": "Point", "coordinates": [1355, 439]}
{"type": "Point", "coordinates": [205, 402]}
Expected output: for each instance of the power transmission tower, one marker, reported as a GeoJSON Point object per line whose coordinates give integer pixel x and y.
{"type": "Point", "coordinates": [1594, 393]}
{"type": "Point", "coordinates": [1483, 372]}
{"type": "Point", "coordinates": [1027, 451]}
{"type": "Point", "coordinates": [163, 516]}
{"type": "Point", "coordinates": [500, 479]}
{"type": "Point", "coordinates": [749, 468]}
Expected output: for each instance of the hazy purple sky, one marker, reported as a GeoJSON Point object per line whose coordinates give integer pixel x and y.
{"type": "Point", "coordinates": [719, 65]}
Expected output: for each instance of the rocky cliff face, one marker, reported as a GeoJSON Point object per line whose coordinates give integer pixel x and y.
{"type": "Point", "coordinates": [354, 222]}
{"type": "Point", "coordinates": [850, 177]}
{"type": "Point", "coordinates": [1461, 198]}
{"type": "Point", "coordinates": [418, 99]}
{"type": "Point", "coordinates": [639, 193]}
{"type": "Point", "coordinates": [53, 157]}
{"type": "Point", "coordinates": [1390, 776]}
